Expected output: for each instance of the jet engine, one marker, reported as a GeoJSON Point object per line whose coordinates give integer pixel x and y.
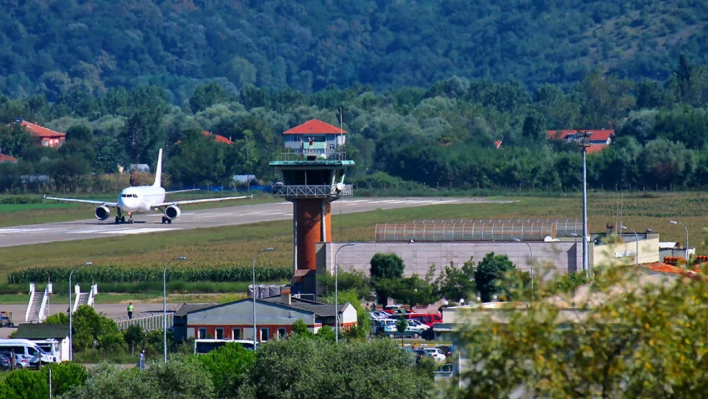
{"type": "Point", "coordinates": [172, 212]}
{"type": "Point", "coordinates": [102, 212]}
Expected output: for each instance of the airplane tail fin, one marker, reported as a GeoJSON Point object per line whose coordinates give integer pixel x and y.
{"type": "Point", "coordinates": [158, 171]}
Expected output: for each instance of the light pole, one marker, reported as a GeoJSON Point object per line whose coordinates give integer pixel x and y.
{"type": "Point", "coordinates": [584, 143]}
{"type": "Point", "coordinates": [164, 304]}
{"type": "Point", "coordinates": [71, 319]}
{"type": "Point", "coordinates": [530, 249]}
{"type": "Point", "coordinates": [685, 228]}
{"type": "Point", "coordinates": [636, 239]}
{"type": "Point", "coordinates": [336, 291]}
{"type": "Point", "coordinates": [255, 330]}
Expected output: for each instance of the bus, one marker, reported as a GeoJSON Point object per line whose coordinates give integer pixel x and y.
{"type": "Point", "coordinates": [202, 345]}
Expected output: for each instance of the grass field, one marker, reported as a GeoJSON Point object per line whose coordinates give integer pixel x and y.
{"type": "Point", "coordinates": [237, 245]}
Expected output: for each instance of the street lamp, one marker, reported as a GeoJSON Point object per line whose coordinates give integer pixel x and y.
{"type": "Point", "coordinates": [685, 228]}
{"type": "Point", "coordinates": [636, 239]}
{"type": "Point", "coordinates": [336, 291]}
{"type": "Point", "coordinates": [164, 304]}
{"type": "Point", "coordinates": [255, 330]}
{"type": "Point", "coordinates": [530, 249]}
{"type": "Point", "coordinates": [584, 143]}
{"type": "Point", "coordinates": [71, 319]}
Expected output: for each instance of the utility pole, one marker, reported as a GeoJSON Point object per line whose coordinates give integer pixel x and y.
{"type": "Point", "coordinates": [584, 143]}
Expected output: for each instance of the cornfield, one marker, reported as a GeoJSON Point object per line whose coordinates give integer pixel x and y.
{"type": "Point", "coordinates": [107, 274]}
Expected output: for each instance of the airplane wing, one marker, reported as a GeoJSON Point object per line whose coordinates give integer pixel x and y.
{"type": "Point", "coordinates": [199, 201]}
{"type": "Point", "coordinates": [182, 191]}
{"type": "Point", "coordinates": [82, 201]}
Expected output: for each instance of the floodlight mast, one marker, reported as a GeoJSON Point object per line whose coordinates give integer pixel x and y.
{"type": "Point", "coordinates": [584, 144]}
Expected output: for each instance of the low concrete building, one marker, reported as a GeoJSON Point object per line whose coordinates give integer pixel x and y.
{"type": "Point", "coordinates": [275, 317]}
{"type": "Point", "coordinates": [563, 255]}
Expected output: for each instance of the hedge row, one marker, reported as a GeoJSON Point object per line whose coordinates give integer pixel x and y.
{"type": "Point", "coordinates": [115, 275]}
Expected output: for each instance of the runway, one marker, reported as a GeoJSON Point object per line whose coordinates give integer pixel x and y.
{"type": "Point", "coordinates": [205, 218]}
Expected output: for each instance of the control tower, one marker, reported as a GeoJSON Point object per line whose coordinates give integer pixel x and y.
{"type": "Point", "coordinates": [312, 171]}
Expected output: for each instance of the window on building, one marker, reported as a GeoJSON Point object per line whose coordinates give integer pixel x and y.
{"type": "Point", "coordinates": [236, 333]}
{"type": "Point", "coordinates": [282, 333]}
{"type": "Point", "coordinates": [202, 333]}
{"type": "Point", "coordinates": [265, 334]}
{"type": "Point", "coordinates": [219, 333]}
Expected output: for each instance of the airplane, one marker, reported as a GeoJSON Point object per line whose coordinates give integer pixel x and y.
{"type": "Point", "coordinates": [142, 199]}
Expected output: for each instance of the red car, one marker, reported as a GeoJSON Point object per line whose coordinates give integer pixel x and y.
{"type": "Point", "coordinates": [427, 319]}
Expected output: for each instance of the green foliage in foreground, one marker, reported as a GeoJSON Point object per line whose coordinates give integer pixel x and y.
{"type": "Point", "coordinates": [302, 367]}
{"type": "Point", "coordinates": [28, 384]}
{"type": "Point", "coordinates": [646, 339]}
{"type": "Point", "coordinates": [115, 274]}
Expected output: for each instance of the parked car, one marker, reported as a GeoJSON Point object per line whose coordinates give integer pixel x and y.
{"type": "Point", "coordinates": [435, 353]}
{"type": "Point", "coordinates": [21, 362]}
{"type": "Point", "coordinates": [405, 334]}
{"type": "Point", "coordinates": [417, 325]}
{"type": "Point", "coordinates": [428, 319]}
{"type": "Point", "coordinates": [4, 362]}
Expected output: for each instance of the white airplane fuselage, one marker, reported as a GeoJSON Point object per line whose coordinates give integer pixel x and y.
{"type": "Point", "coordinates": [140, 199]}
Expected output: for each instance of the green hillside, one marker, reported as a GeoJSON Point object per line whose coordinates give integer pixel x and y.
{"type": "Point", "coordinates": [51, 46]}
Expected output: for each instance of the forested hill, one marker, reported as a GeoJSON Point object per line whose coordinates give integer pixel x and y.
{"type": "Point", "coordinates": [50, 46]}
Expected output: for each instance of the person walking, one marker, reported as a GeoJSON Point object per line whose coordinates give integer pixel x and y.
{"type": "Point", "coordinates": [130, 310]}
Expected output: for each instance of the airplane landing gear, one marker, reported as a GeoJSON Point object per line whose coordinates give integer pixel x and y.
{"type": "Point", "coordinates": [119, 217]}
{"type": "Point", "coordinates": [166, 220]}
{"type": "Point", "coordinates": [130, 218]}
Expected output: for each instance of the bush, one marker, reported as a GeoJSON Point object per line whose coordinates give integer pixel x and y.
{"type": "Point", "coordinates": [104, 274]}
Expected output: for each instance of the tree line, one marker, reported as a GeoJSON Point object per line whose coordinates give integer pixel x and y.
{"type": "Point", "coordinates": [442, 136]}
{"type": "Point", "coordinates": [50, 48]}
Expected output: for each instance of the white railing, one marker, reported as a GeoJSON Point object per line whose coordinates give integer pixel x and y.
{"type": "Point", "coordinates": [313, 191]}
{"type": "Point", "coordinates": [31, 301]}
{"type": "Point", "coordinates": [150, 322]}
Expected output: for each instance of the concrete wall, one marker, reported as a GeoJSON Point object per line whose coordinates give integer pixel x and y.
{"type": "Point", "coordinates": [624, 253]}
{"type": "Point", "coordinates": [564, 256]}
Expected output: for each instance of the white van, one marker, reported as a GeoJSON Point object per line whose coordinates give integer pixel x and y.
{"type": "Point", "coordinates": [25, 347]}
{"type": "Point", "coordinates": [54, 348]}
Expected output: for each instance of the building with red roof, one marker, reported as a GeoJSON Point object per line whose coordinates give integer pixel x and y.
{"type": "Point", "coordinates": [7, 158]}
{"type": "Point", "coordinates": [599, 139]}
{"type": "Point", "coordinates": [47, 137]}
{"type": "Point", "coordinates": [218, 138]}
{"type": "Point", "coordinates": [315, 138]}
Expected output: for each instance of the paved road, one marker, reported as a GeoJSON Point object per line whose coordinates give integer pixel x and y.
{"type": "Point", "coordinates": [236, 215]}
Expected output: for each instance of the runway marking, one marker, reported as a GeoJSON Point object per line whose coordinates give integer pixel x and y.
{"type": "Point", "coordinates": [137, 231]}
{"type": "Point", "coordinates": [25, 230]}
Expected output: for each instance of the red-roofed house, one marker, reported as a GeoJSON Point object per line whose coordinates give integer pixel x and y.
{"type": "Point", "coordinates": [7, 158]}
{"type": "Point", "coordinates": [218, 138]}
{"type": "Point", "coordinates": [599, 139]}
{"type": "Point", "coordinates": [48, 137]}
{"type": "Point", "coordinates": [315, 138]}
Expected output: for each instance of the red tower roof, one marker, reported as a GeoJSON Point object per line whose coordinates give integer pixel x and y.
{"type": "Point", "coordinates": [315, 126]}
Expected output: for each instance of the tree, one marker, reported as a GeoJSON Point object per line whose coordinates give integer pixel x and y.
{"type": "Point", "coordinates": [534, 127]}
{"type": "Point", "coordinates": [414, 291]}
{"type": "Point", "coordinates": [455, 284]}
{"type": "Point", "coordinates": [134, 336]}
{"type": "Point", "coordinates": [401, 327]}
{"type": "Point", "coordinates": [386, 266]}
{"type": "Point", "coordinates": [619, 349]}
{"type": "Point", "coordinates": [180, 379]}
{"type": "Point", "coordinates": [25, 384]}
{"type": "Point", "coordinates": [110, 381]}
{"type": "Point", "coordinates": [79, 133]}
{"type": "Point", "coordinates": [300, 328]}
{"type": "Point", "coordinates": [207, 95]}
{"type": "Point", "coordinates": [14, 139]}
{"type": "Point", "coordinates": [65, 376]}
{"type": "Point", "coordinates": [227, 367]}
{"type": "Point", "coordinates": [354, 369]}
{"type": "Point", "coordinates": [490, 273]}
